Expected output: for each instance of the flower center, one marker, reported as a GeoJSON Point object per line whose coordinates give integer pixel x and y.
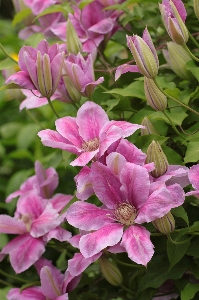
{"type": "Point", "coordinates": [27, 221]}
{"type": "Point", "coordinates": [91, 145]}
{"type": "Point", "coordinates": [125, 214]}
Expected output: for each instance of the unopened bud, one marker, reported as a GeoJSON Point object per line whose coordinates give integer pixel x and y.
{"type": "Point", "coordinates": [149, 129]}
{"type": "Point", "coordinates": [73, 93]}
{"type": "Point", "coordinates": [110, 271]}
{"type": "Point", "coordinates": [155, 154]}
{"type": "Point", "coordinates": [166, 224]}
{"type": "Point", "coordinates": [73, 43]}
{"type": "Point", "coordinates": [155, 98]}
{"type": "Point", "coordinates": [196, 8]}
{"type": "Point", "coordinates": [177, 57]}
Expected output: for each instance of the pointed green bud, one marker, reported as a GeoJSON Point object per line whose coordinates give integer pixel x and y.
{"type": "Point", "coordinates": [73, 43]}
{"type": "Point", "coordinates": [155, 98]}
{"type": "Point", "coordinates": [149, 129]}
{"type": "Point", "coordinates": [166, 224]}
{"type": "Point", "coordinates": [155, 154]}
{"type": "Point", "coordinates": [73, 93]}
{"type": "Point", "coordinates": [177, 57]}
{"type": "Point", "coordinates": [110, 271]}
{"type": "Point", "coordinates": [196, 8]}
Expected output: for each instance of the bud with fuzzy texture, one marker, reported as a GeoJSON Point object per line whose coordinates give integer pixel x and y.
{"type": "Point", "coordinates": [73, 43]}
{"type": "Point", "coordinates": [173, 16]}
{"type": "Point", "coordinates": [110, 271]}
{"type": "Point", "coordinates": [166, 224]}
{"type": "Point", "coordinates": [155, 154]}
{"type": "Point", "coordinates": [155, 98]}
{"type": "Point", "coordinates": [177, 57]}
{"type": "Point", "coordinates": [196, 8]}
{"type": "Point", "coordinates": [149, 129]}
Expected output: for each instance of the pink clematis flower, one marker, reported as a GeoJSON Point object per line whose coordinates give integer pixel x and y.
{"type": "Point", "coordinates": [129, 200]}
{"type": "Point", "coordinates": [144, 54]}
{"type": "Point", "coordinates": [174, 16]}
{"type": "Point", "coordinates": [40, 68]}
{"type": "Point", "coordinates": [44, 182]}
{"type": "Point", "coordinates": [194, 180]}
{"type": "Point", "coordinates": [81, 73]}
{"type": "Point", "coordinates": [88, 135]}
{"type": "Point", "coordinates": [37, 6]}
{"type": "Point", "coordinates": [36, 222]}
{"type": "Point", "coordinates": [54, 284]}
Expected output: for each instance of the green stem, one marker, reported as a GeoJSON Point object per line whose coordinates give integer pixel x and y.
{"type": "Point", "coordinates": [173, 126]}
{"type": "Point", "coordinates": [6, 53]}
{"type": "Point", "coordinates": [50, 103]}
{"type": "Point", "coordinates": [177, 101]}
{"type": "Point", "coordinates": [6, 283]}
{"type": "Point", "coordinates": [178, 243]}
{"type": "Point", "coordinates": [193, 40]}
{"type": "Point", "coordinates": [126, 289]}
{"type": "Point", "coordinates": [34, 119]}
{"type": "Point", "coordinates": [126, 264]}
{"type": "Point", "coordinates": [191, 54]}
{"type": "Point", "coordinates": [13, 277]}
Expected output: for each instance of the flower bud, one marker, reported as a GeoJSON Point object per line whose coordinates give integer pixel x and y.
{"type": "Point", "coordinates": [177, 57]}
{"type": "Point", "coordinates": [155, 98]}
{"type": "Point", "coordinates": [110, 271]}
{"type": "Point", "coordinates": [155, 154]}
{"type": "Point", "coordinates": [196, 8]}
{"type": "Point", "coordinates": [166, 224]}
{"type": "Point", "coordinates": [73, 43]}
{"type": "Point", "coordinates": [73, 93]}
{"type": "Point", "coordinates": [149, 129]}
{"type": "Point", "coordinates": [144, 54]}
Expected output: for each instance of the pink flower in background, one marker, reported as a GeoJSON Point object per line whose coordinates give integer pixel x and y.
{"type": "Point", "coordinates": [40, 68]}
{"type": "Point", "coordinates": [36, 222]}
{"type": "Point", "coordinates": [37, 6]}
{"type": "Point", "coordinates": [81, 73]}
{"type": "Point", "coordinates": [54, 284]}
{"type": "Point", "coordinates": [88, 135]}
{"type": "Point", "coordinates": [129, 200]}
{"type": "Point", "coordinates": [194, 180]}
{"type": "Point", "coordinates": [44, 182]}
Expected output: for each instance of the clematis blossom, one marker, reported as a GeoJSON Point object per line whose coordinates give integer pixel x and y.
{"type": "Point", "coordinates": [88, 135]}
{"type": "Point", "coordinates": [54, 284]}
{"type": "Point", "coordinates": [129, 200]}
{"type": "Point", "coordinates": [194, 180]}
{"type": "Point", "coordinates": [36, 221]}
{"type": "Point", "coordinates": [44, 182]}
{"type": "Point", "coordinates": [40, 68]}
{"type": "Point", "coordinates": [81, 74]}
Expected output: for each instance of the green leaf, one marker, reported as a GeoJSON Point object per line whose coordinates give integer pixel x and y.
{"type": "Point", "coordinates": [21, 154]}
{"type": "Point", "coordinates": [3, 240]}
{"type": "Point", "coordinates": [54, 9]}
{"type": "Point", "coordinates": [177, 119]}
{"type": "Point", "coordinates": [189, 291]}
{"type": "Point", "coordinates": [176, 252]}
{"type": "Point", "coordinates": [20, 16]}
{"type": "Point", "coordinates": [180, 212]}
{"type": "Point", "coordinates": [16, 180]}
{"type": "Point", "coordinates": [193, 69]}
{"type": "Point", "coordinates": [144, 141]}
{"type": "Point", "coordinates": [173, 157]}
{"type": "Point", "coordinates": [193, 249]}
{"type": "Point", "coordinates": [135, 89]}
{"type": "Point", "coordinates": [84, 3]}
{"type": "Point", "coordinates": [27, 135]}
{"type": "Point", "coordinates": [10, 86]}
{"type": "Point", "coordinates": [4, 292]}
{"type": "Point", "coordinates": [192, 153]}
{"type": "Point", "coordinates": [7, 63]}
{"type": "Point", "coordinates": [10, 130]}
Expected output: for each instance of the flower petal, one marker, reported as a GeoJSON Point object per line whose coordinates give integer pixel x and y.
{"type": "Point", "coordinates": [79, 263]}
{"type": "Point", "coordinates": [136, 241]}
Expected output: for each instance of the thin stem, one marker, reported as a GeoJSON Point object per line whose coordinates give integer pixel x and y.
{"type": "Point", "coordinates": [191, 54]}
{"type": "Point", "coordinates": [174, 99]}
{"type": "Point", "coordinates": [173, 126]}
{"type": "Point", "coordinates": [13, 277]}
{"type": "Point", "coordinates": [126, 289]}
{"type": "Point", "coordinates": [6, 283]}
{"type": "Point", "coordinates": [34, 119]}
{"type": "Point", "coordinates": [126, 264]}
{"type": "Point", "coordinates": [50, 103]}
{"type": "Point", "coordinates": [178, 243]}
{"type": "Point", "coordinates": [193, 40]}
{"type": "Point", "coordinates": [6, 53]}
